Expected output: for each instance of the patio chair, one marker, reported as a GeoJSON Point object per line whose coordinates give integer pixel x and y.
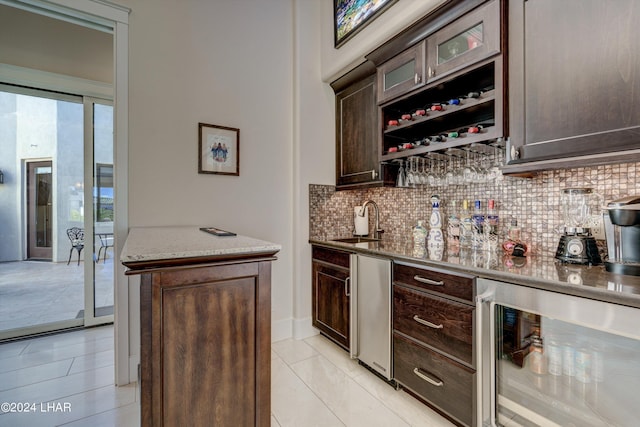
{"type": "Point", "coordinates": [76, 236]}
{"type": "Point", "coordinates": [106, 242]}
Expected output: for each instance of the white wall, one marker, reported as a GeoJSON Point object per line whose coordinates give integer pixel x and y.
{"type": "Point", "coordinates": [317, 63]}
{"type": "Point", "coordinates": [223, 62]}
{"type": "Point", "coordinates": [263, 67]}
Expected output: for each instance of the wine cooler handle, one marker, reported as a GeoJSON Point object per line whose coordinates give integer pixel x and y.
{"type": "Point", "coordinates": [484, 298]}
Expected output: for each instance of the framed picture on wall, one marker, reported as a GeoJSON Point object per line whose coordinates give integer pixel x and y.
{"type": "Point", "coordinates": [350, 16]}
{"type": "Point", "coordinates": [218, 149]}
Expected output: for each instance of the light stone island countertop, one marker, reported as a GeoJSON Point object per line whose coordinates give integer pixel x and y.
{"type": "Point", "coordinates": [148, 244]}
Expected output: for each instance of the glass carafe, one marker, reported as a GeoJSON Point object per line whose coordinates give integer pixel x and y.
{"type": "Point", "coordinates": [577, 204]}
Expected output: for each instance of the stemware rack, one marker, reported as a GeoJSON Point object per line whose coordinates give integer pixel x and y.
{"type": "Point", "coordinates": [446, 167]}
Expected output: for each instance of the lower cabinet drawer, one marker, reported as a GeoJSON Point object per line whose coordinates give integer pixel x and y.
{"type": "Point", "coordinates": [437, 379]}
{"type": "Point", "coordinates": [433, 280]}
{"type": "Point", "coordinates": [441, 323]}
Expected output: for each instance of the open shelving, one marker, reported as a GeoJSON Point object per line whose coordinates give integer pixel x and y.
{"type": "Point", "coordinates": [484, 78]}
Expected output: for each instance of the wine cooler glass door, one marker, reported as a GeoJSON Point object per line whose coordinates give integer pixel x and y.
{"type": "Point", "coordinates": [557, 360]}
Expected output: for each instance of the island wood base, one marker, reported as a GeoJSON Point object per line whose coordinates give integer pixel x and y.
{"type": "Point", "coordinates": [206, 343]}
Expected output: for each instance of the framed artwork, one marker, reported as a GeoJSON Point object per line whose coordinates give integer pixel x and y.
{"type": "Point", "coordinates": [350, 16]}
{"type": "Point", "coordinates": [218, 149]}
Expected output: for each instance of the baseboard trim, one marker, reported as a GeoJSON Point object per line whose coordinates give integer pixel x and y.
{"type": "Point", "coordinates": [281, 329]}
{"type": "Point", "coordinates": [298, 329]}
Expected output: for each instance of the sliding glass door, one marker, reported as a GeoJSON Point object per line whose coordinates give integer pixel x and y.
{"type": "Point", "coordinates": [56, 256]}
{"type": "Point", "coordinates": [99, 294]}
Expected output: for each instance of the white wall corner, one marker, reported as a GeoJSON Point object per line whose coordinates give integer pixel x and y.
{"type": "Point", "coordinates": [302, 329]}
{"type": "Point", "coordinates": [281, 329]}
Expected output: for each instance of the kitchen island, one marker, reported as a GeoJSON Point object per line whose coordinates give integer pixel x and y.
{"type": "Point", "coordinates": [205, 326]}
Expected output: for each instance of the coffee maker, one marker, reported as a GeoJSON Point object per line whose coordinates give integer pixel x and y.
{"type": "Point", "coordinates": [622, 230]}
{"type": "Point", "coordinates": [577, 245]}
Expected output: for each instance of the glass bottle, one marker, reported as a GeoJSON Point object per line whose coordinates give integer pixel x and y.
{"type": "Point", "coordinates": [465, 225]}
{"type": "Point", "coordinates": [435, 237]}
{"type": "Point", "coordinates": [513, 245]}
{"type": "Point", "coordinates": [453, 229]}
{"type": "Point", "coordinates": [492, 226]}
{"type": "Point", "coordinates": [477, 221]}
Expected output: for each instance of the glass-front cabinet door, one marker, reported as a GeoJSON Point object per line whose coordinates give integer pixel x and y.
{"type": "Point", "coordinates": [470, 39]}
{"type": "Point", "coordinates": [402, 73]}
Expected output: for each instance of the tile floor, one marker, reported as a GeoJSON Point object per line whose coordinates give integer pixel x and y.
{"type": "Point", "coordinates": [314, 383]}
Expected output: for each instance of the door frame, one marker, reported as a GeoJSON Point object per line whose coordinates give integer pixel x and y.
{"type": "Point", "coordinates": [35, 252]}
{"type": "Point", "coordinates": [114, 18]}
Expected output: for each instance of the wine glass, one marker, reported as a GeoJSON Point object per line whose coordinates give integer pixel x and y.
{"type": "Point", "coordinates": [493, 172]}
{"type": "Point", "coordinates": [432, 178]}
{"type": "Point", "coordinates": [450, 177]}
{"type": "Point", "coordinates": [410, 173]}
{"type": "Point", "coordinates": [468, 173]}
{"type": "Point", "coordinates": [401, 180]}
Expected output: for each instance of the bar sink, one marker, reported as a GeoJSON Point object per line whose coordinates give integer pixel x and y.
{"type": "Point", "coordinates": [357, 240]}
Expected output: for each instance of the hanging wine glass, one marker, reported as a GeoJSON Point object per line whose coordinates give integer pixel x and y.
{"type": "Point", "coordinates": [432, 178]}
{"type": "Point", "coordinates": [423, 173]}
{"type": "Point", "coordinates": [450, 177]}
{"type": "Point", "coordinates": [410, 177]}
{"type": "Point", "coordinates": [401, 180]}
{"type": "Point", "coordinates": [468, 172]}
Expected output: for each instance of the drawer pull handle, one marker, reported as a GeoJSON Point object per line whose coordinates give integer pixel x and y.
{"type": "Point", "coordinates": [437, 383]}
{"type": "Point", "coordinates": [428, 281]}
{"type": "Point", "coordinates": [426, 322]}
{"type": "Point", "coordinates": [347, 288]}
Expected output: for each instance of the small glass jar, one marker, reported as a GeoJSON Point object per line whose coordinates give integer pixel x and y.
{"type": "Point", "coordinates": [419, 235]}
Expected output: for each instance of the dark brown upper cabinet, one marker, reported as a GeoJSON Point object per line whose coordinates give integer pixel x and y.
{"type": "Point", "coordinates": [574, 83]}
{"type": "Point", "coordinates": [357, 150]}
{"type": "Point", "coordinates": [461, 102]}
{"type": "Point", "coordinates": [402, 73]}
{"type": "Point", "coordinates": [471, 38]}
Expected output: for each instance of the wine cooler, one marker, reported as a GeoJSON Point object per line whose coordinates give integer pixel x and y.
{"type": "Point", "coordinates": [549, 359]}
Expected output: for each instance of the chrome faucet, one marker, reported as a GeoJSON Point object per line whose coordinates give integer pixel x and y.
{"type": "Point", "coordinates": [377, 233]}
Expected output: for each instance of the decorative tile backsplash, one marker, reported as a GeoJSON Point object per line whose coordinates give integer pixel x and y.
{"type": "Point", "coordinates": [534, 202]}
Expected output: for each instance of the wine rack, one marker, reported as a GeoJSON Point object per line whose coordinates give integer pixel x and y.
{"type": "Point", "coordinates": [465, 109]}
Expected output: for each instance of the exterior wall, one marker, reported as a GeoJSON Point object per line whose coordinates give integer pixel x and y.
{"type": "Point", "coordinates": [52, 131]}
{"type": "Point", "coordinates": [10, 228]}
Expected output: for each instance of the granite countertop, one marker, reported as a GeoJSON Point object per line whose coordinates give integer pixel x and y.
{"type": "Point", "coordinates": [533, 271]}
{"type": "Point", "coordinates": [151, 244]}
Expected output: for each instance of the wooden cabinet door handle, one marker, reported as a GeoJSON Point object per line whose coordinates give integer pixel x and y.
{"type": "Point", "coordinates": [436, 382]}
{"type": "Point", "coordinates": [347, 288]}
{"type": "Point", "coordinates": [427, 281]}
{"type": "Point", "coordinates": [427, 323]}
